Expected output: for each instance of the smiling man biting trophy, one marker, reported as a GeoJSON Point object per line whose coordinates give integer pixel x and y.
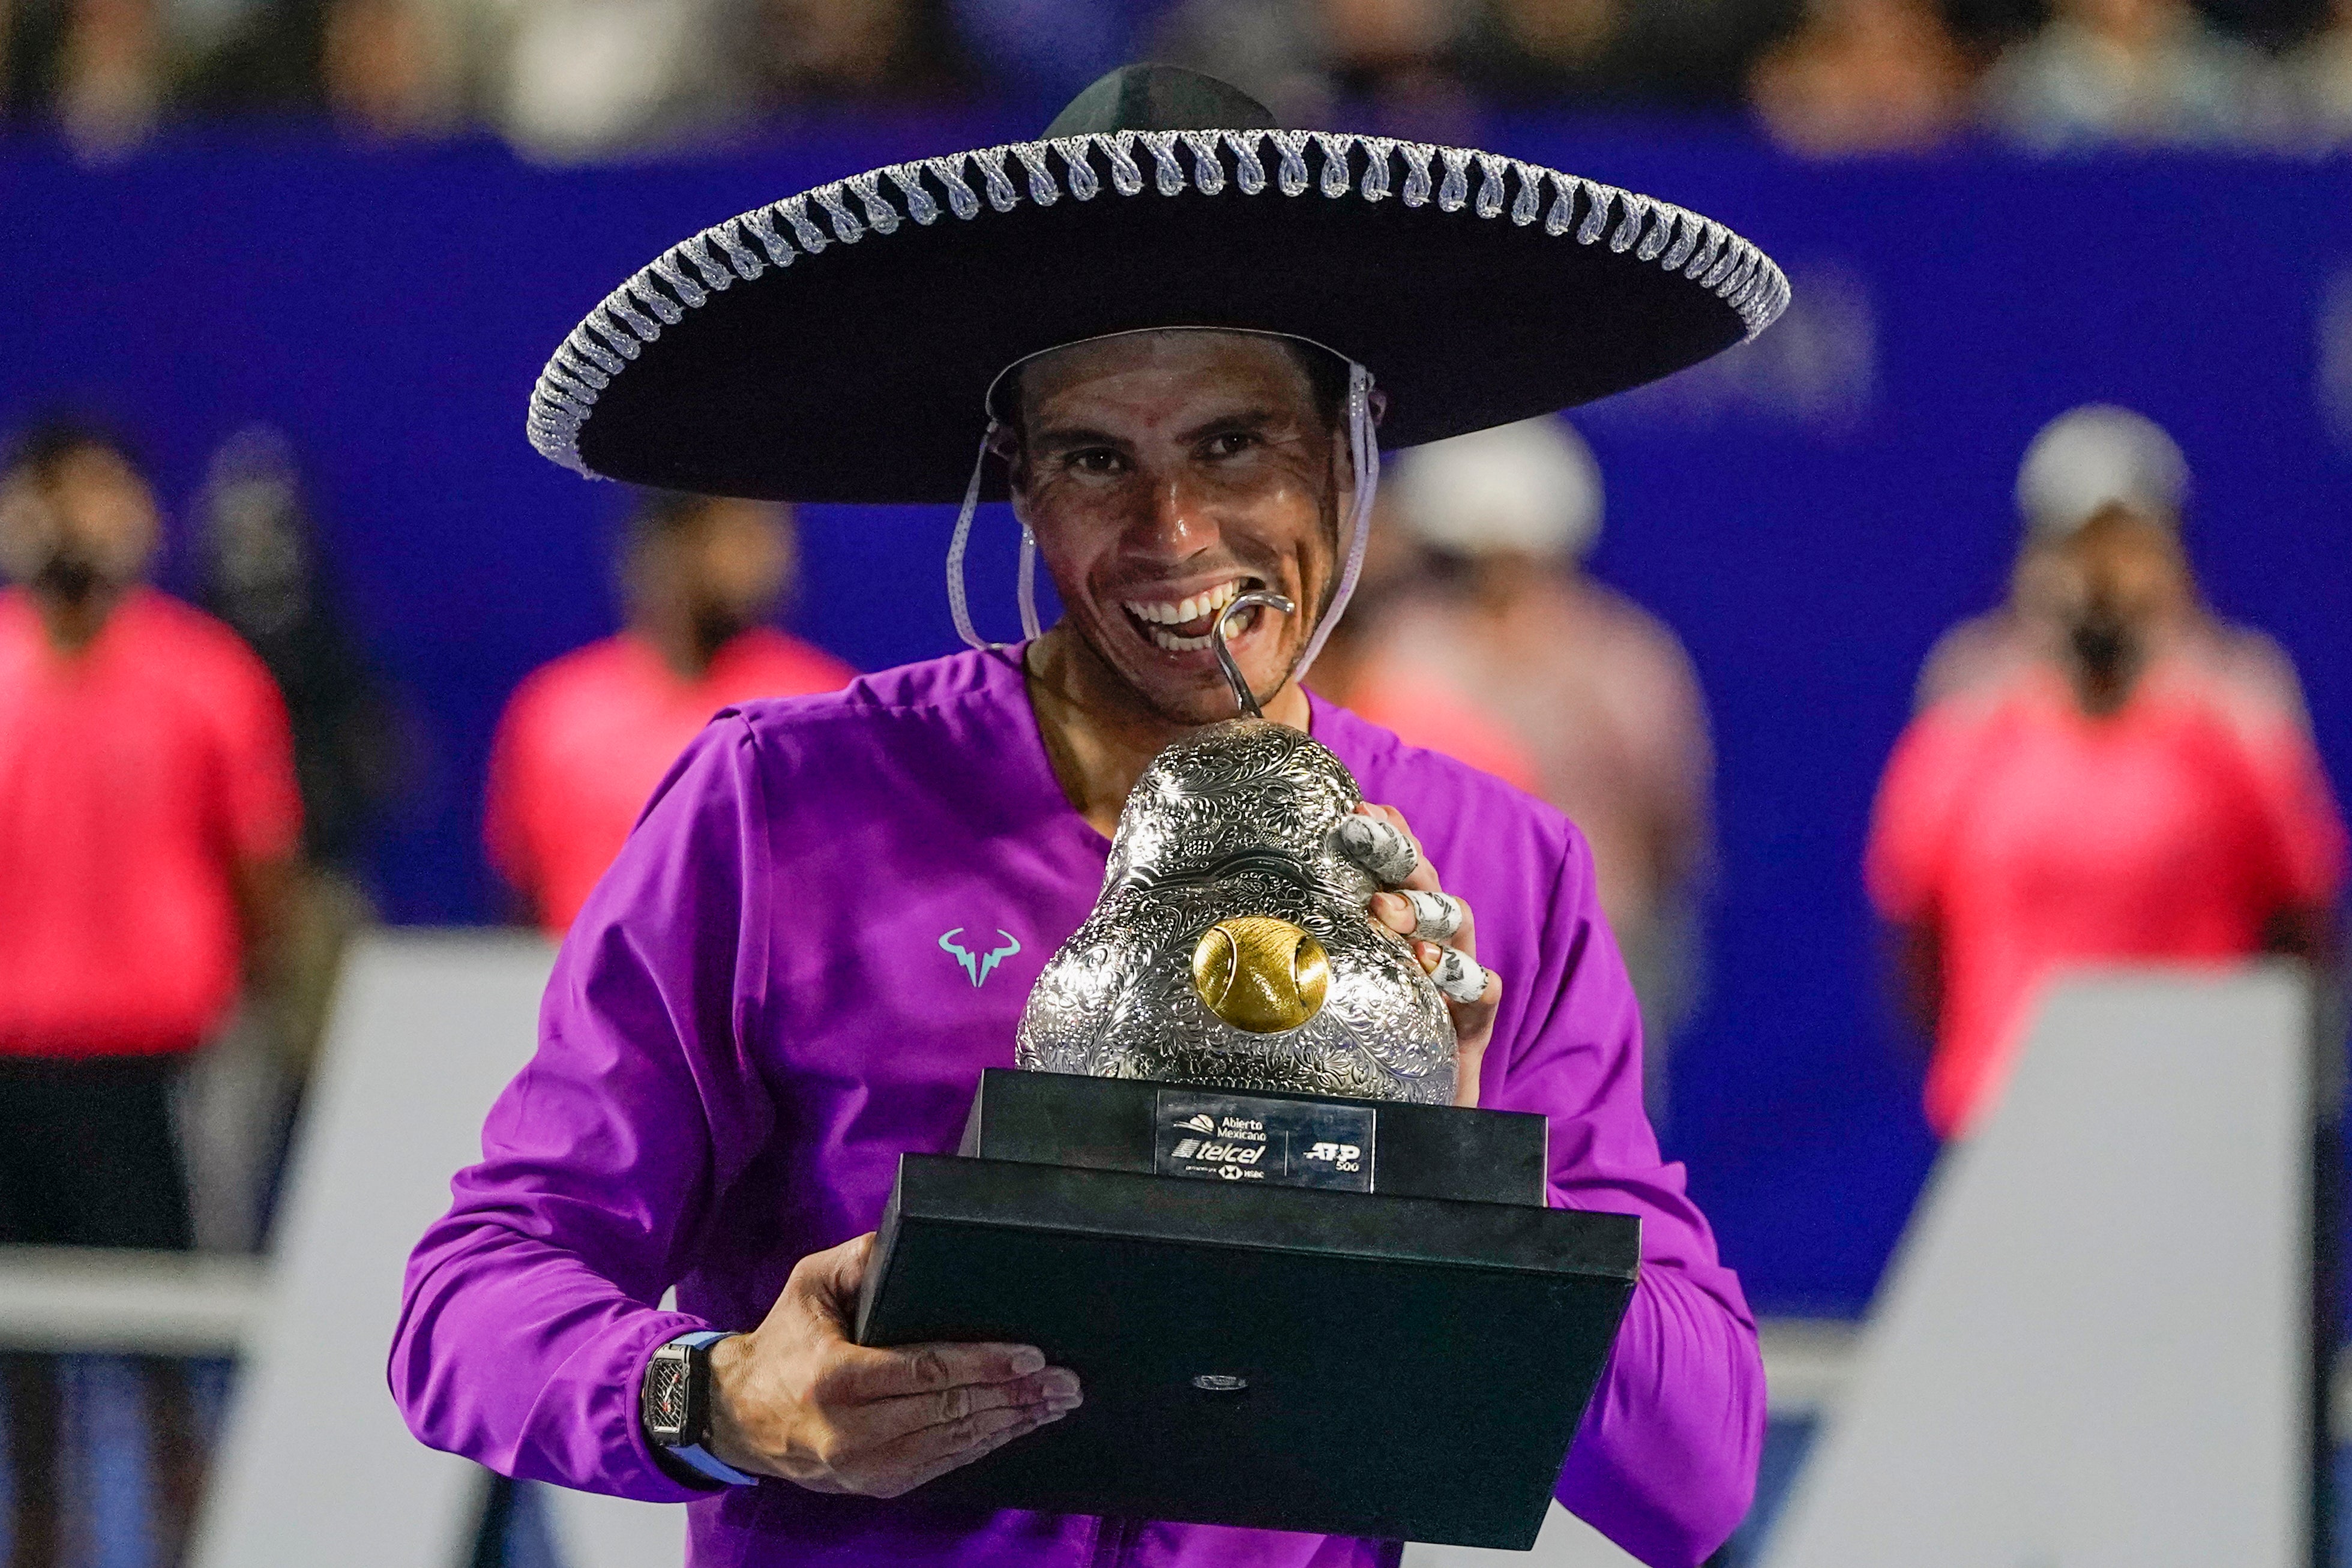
{"type": "Point", "coordinates": [1313, 1223]}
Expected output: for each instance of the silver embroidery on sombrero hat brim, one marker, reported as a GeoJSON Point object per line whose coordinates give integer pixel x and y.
{"type": "Point", "coordinates": [964, 186]}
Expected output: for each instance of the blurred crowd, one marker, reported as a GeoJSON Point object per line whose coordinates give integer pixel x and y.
{"type": "Point", "coordinates": [2099, 770]}
{"type": "Point", "coordinates": [568, 79]}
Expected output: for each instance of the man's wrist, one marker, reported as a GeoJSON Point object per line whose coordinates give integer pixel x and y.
{"type": "Point", "coordinates": [674, 1411]}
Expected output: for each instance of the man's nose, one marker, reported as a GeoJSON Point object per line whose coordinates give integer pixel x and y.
{"type": "Point", "coordinates": [1178, 519]}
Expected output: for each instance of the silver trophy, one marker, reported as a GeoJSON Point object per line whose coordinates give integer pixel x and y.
{"type": "Point", "coordinates": [1232, 945]}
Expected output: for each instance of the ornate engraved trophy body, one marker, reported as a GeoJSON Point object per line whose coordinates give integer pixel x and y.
{"type": "Point", "coordinates": [1231, 944]}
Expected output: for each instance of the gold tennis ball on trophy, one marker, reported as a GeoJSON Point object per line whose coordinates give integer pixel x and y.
{"type": "Point", "coordinates": [1260, 974]}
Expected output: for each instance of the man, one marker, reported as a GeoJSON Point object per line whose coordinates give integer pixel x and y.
{"type": "Point", "coordinates": [753, 1015]}
{"type": "Point", "coordinates": [585, 738]}
{"type": "Point", "coordinates": [2102, 772]}
{"type": "Point", "coordinates": [148, 818]}
{"type": "Point", "coordinates": [1598, 690]}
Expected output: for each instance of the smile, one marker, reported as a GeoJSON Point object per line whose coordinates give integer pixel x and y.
{"type": "Point", "coordinates": [1183, 625]}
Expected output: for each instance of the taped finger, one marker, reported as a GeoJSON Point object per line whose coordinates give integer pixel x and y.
{"type": "Point", "coordinates": [1436, 916]}
{"type": "Point", "coordinates": [1384, 852]}
{"type": "Point", "coordinates": [1458, 976]}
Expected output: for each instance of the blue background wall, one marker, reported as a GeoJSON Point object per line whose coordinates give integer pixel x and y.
{"type": "Point", "coordinates": [1808, 512]}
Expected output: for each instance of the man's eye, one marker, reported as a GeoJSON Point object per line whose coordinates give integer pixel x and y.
{"type": "Point", "coordinates": [1095, 460]}
{"type": "Point", "coordinates": [1231, 442]}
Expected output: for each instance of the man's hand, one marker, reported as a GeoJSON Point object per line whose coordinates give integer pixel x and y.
{"type": "Point", "coordinates": [795, 1398]}
{"type": "Point", "coordinates": [1443, 935]}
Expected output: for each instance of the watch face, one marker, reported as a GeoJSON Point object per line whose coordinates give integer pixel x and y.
{"type": "Point", "coordinates": [665, 1411]}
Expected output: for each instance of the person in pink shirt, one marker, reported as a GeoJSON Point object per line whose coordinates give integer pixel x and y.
{"type": "Point", "coordinates": [149, 823]}
{"type": "Point", "coordinates": [585, 738]}
{"type": "Point", "coordinates": [2101, 773]}
{"type": "Point", "coordinates": [1595, 694]}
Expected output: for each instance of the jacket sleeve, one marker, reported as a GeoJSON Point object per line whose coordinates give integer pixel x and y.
{"type": "Point", "coordinates": [1664, 1464]}
{"type": "Point", "coordinates": [529, 1309]}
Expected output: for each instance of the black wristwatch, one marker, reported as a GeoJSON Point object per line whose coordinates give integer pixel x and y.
{"type": "Point", "coordinates": [674, 1406]}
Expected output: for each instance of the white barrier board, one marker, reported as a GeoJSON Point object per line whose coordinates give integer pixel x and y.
{"type": "Point", "coordinates": [2092, 1350]}
{"type": "Point", "coordinates": [315, 1465]}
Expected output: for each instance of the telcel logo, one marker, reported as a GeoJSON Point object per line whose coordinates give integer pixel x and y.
{"type": "Point", "coordinates": [1212, 1153]}
{"type": "Point", "coordinates": [1345, 1155]}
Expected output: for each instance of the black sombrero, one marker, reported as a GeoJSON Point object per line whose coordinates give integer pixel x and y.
{"type": "Point", "coordinates": [837, 345]}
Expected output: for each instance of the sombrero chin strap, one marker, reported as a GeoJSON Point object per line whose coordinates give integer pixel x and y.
{"type": "Point", "coordinates": [959, 602]}
{"type": "Point", "coordinates": [1364, 451]}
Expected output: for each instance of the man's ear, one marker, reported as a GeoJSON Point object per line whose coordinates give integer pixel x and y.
{"type": "Point", "coordinates": [1004, 445]}
{"type": "Point", "coordinates": [1378, 399]}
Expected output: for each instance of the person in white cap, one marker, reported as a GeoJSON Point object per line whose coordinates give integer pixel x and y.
{"type": "Point", "coordinates": [1597, 694]}
{"type": "Point", "coordinates": [2100, 770]}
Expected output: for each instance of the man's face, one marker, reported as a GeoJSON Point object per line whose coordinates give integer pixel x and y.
{"type": "Point", "coordinates": [1164, 474]}
{"type": "Point", "coordinates": [2109, 587]}
{"type": "Point", "coordinates": [90, 527]}
{"type": "Point", "coordinates": [724, 569]}
{"type": "Point", "coordinates": [739, 558]}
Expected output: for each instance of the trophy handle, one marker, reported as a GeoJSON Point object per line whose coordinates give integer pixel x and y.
{"type": "Point", "coordinates": [1242, 692]}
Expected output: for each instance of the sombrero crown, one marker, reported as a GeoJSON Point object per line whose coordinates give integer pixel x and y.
{"type": "Point", "coordinates": [838, 345]}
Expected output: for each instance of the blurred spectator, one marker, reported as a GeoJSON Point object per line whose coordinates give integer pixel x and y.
{"type": "Point", "coordinates": [585, 739]}
{"type": "Point", "coordinates": [2149, 72]}
{"type": "Point", "coordinates": [1598, 692]}
{"type": "Point", "coordinates": [2101, 771]}
{"type": "Point", "coordinates": [148, 813]}
{"type": "Point", "coordinates": [261, 573]}
{"type": "Point", "coordinates": [1535, 51]}
{"type": "Point", "coordinates": [577, 79]}
{"type": "Point", "coordinates": [573, 78]}
{"type": "Point", "coordinates": [1549, 54]}
{"type": "Point", "coordinates": [1395, 63]}
{"type": "Point", "coordinates": [2318, 77]}
{"type": "Point", "coordinates": [870, 51]}
{"type": "Point", "coordinates": [99, 70]}
{"type": "Point", "coordinates": [1359, 670]}
{"type": "Point", "coordinates": [1864, 76]}
{"type": "Point", "coordinates": [394, 69]}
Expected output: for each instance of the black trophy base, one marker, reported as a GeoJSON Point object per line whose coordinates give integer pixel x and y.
{"type": "Point", "coordinates": [1274, 1356]}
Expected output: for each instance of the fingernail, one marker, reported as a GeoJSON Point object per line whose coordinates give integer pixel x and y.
{"type": "Point", "coordinates": [1059, 1383]}
{"type": "Point", "coordinates": [1027, 1360]}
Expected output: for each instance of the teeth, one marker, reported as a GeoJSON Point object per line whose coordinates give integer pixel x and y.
{"type": "Point", "coordinates": [1165, 613]}
{"type": "Point", "coordinates": [1175, 643]}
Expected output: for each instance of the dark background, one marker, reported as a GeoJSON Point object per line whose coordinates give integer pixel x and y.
{"type": "Point", "coordinates": [1807, 513]}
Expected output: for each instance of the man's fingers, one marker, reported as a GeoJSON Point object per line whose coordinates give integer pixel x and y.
{"type": "Point", "coordinates": [884, 1421]}
{"type": "Point", "coordinates": [858, 1374]}
{"type": "Point", "coordinates": [923, 1455]}
{"type": "Point", "coordinates": [1458, 976]}
{"type": "Point", "coordinates": [1385, 851]}
{"type": "Point", "coordinates": [1436, 916]}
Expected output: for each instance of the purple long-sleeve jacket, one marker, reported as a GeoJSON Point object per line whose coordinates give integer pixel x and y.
{"type": "Point", "coordinates": [783, 984]}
